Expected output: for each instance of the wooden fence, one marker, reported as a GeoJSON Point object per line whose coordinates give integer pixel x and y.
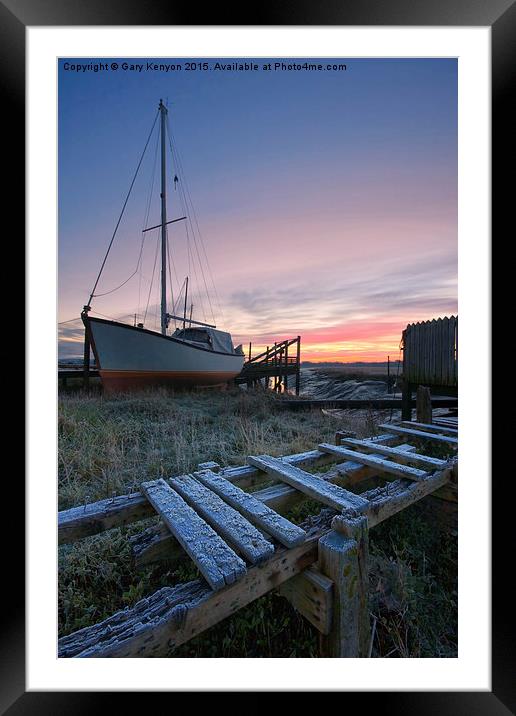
{"type": "Point", "coordinates": [430, 352]}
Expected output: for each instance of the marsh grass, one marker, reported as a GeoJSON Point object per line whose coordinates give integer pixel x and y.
{"type": "Point", "coordinates": [111, 444]}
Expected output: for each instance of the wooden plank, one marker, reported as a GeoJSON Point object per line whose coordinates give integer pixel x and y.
{"type": "Point", "coordinates": [311, 594]}
{"type": "Point", "coordinates": [420, 434]}
{"type": "Point", "coordinates": [383, 502]}
{"type": "Point", "coordinates": [431, 427]}
{"type": "Point", "coordinates": [90, 519]}
{"type": "Point", "coordinates": [227, 522]}
{"type": "Point", "coordinates": [253, 509]}
{"type": "Point", "coordinates": [311, 485]}
{"type": "Point", "coordinates": [157, 543]}
{"type": "Point", "coordinates": [447, 422]}
{"type": "Point", "coordinates": [382, 465]}
{"type": "Point", "coordinates": [215, 560]}
{"type": "Point", "coordinates": [174, 615]}
{"type": "Point", "coordinates": [402, 456]}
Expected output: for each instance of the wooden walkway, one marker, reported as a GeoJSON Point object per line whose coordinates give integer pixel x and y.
{"type": "Point", "coordinates": [243, 546]}
{"type": "Point", "coordinates": [275, 364]}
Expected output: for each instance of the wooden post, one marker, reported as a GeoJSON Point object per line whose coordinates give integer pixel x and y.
{"type": "Point", "coordinates": [344, 559]}
{"type": "Point", "coordinates": [406, 400]}
{"type": "Point", "coordinates": [285, 376]}
{"type": "Point", "coordinates": [86, 363]}
{"type": "Point", "coordinates": [423, 405]}
{"type": "Point", "coordinates": [249, 350]}
{"type": "Point", "coordinates": [298, 367]}
{"type": "Point", "coordinates": [275, 364]}
{"type": "Point", "coordinates": [388, 374]}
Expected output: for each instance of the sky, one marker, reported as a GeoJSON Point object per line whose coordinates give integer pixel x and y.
{"type": "Point", "coordinates": [325, 200]}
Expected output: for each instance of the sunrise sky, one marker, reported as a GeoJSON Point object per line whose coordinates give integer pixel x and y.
{"type": "Point", "coordinates": [327, 201]}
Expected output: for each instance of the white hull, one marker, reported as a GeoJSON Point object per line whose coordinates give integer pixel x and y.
{"type": "Point", "coordinates": [131, 357]}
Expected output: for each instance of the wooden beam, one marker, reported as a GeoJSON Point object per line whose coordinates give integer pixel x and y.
{"type": "Point", "coordinates": [423, 404]}
{"type": "Point", "coordinates": [383, 502]}
{"type": "Point", "coordinates": [254, 510]}
{"type": "Point", "coordinates": [311, 594]}
{"type": "Point", "coordinates": [89, 519]}
{"type": "Point", "coordinates": [379, 463]}
{"type": "Point", "coordinates": [345, 561]}
{"type": "Point", "coordinates": [420, 434]}
{"type": "Point", "coordinates": [238, 532]}
{"type": "Point", "coordinates": [403, 456]}
{"type": "Point", "coordinates": [406, 397]}
{"type": "Point", "coordinates": [311, 485]}
{"type": "Point", "coordinates": [174, 615]}
{"type": "Point", "coordinates": [217, 562]}
{"type": "Point", "coordinates": [432, 428]}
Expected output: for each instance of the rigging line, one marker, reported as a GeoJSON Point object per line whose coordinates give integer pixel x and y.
{"type": "Point", "coordinates": [197, 282]}
{"type": "Point", "coordinates": [182, 199]}
{"type": "Point", "coordinates": [125, 315]}
{"type": "Point", "coordinates": [189, 202]}
{"type": "Point", "coordinates": [152, 278]}
{"type": "Point", "coordinates": [138, 263]}
{"type": "Point", "coordinates": [178, 299]}
{"type": "Point", "coordinates": [180, 166]}
{"type": "Point", "coordinates": [184, 204]}
{"type": "Point", "coordinates": [70, 320]}
{"type": "Point", "coordinates": [123, 208]}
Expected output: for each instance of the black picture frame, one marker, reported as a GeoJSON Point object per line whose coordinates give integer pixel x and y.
{"type": "Point", "coordinates": [500, 15]}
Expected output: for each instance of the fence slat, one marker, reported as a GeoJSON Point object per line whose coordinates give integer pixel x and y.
{"type": "Point", "coordinates": [430, 352]}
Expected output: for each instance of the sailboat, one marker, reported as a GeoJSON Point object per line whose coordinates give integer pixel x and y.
{"type": "Point", "coordinates": [133, 356]}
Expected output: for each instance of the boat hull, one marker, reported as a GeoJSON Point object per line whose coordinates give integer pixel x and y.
{"type": "Point", "coordinates": [134, 358]}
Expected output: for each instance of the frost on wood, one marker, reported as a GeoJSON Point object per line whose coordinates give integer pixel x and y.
{"type": "Point", "coordinates": [216, 561]}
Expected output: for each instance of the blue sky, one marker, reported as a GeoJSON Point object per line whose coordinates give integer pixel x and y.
{"type": "Point", "coordinates": [331, 187]}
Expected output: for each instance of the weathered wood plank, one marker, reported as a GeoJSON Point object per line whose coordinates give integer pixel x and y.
{"type": "Point", "coordinates": [215, 560]}
{"type": "Point", "coordinates": [157, 543]}
{"type": "Point", "coordinates": [173, 616]}
{"type": "Point", "coordinates": [86, 520]}
{"type": "Point", "coordinates": [431, 428]}
{"type": "Point", "coordinates": [227, 522]}
{"type": "Point", "coordinates": [311, 485]}
{"type": "Point", "coordinates": [382, 465]}
{"type": "Point", "coordinates": [311, 593]}
{"type": "Point", "coordinates": [383, 502]}
{"type": "Point", "coordinates": [451, 422]}
{"type": "Point", "coordinates": [253, 509]}
{"type": "Point", "coordinates": [420, 434]}
{"type": "Point", "coordinates": [89, 519]}
{"type": "Point", "coordinates": [403, 456]}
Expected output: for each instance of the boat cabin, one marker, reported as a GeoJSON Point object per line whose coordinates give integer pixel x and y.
{"type": "Point", "coordinates": [209, 338]}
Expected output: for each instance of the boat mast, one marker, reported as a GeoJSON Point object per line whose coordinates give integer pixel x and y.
{"type": "Point", "coordinates": [163, 111]}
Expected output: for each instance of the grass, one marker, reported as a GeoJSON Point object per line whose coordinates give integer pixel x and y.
{"type": "Point", "coordinates": [110, 444]}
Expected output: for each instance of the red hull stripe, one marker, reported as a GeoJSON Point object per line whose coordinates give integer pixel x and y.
{"type": "Point", "coordinates": [125, 379]}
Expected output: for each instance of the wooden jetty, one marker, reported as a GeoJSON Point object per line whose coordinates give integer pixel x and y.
{"type": "Point", "coordinates": [276, 363]}
{"type": "Point", "coordinates": [244, 546]}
